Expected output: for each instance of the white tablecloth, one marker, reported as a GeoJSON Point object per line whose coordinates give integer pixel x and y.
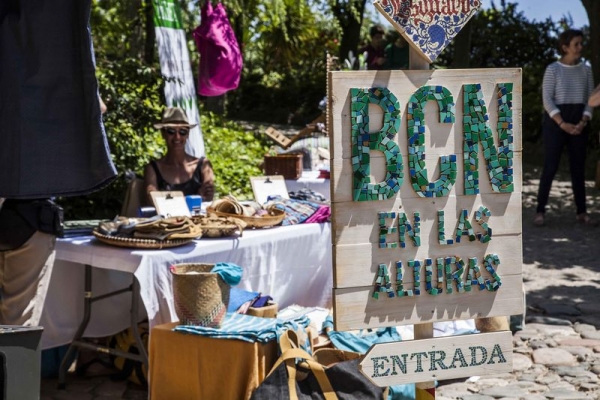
{"type": "Point", "coordinates": [292, 264]}
{"type": "Point", "coordinates": [309, 180]}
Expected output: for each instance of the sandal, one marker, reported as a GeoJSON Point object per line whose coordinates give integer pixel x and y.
{"type": "Point", "coordinates": [538, 220]}
{"type": "Point", "coordinates": [585, 219]}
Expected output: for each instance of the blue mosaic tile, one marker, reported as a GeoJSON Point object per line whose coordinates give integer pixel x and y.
{"type": "Point", "coordinates": [383, 283]}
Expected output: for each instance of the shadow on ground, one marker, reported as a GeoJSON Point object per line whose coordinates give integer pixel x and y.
{"type": "Point", "coordinates": [561, 260]}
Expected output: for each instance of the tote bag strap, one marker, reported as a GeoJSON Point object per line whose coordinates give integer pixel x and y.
{"type": "Point", "coordinates": [289, 357]}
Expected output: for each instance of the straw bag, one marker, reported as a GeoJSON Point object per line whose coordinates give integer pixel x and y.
{"type": "Point", "coordinates": [329, 374]}
{"type": "Point", "coordinates": [201, 297]}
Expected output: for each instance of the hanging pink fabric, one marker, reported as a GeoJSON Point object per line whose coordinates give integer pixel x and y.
{"type": "Point", "coordinates": [220, 56]}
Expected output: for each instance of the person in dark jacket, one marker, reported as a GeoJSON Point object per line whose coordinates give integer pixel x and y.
{"type": "Point", "coordinates": [52, 141]}
{"type": "Point", "coordinates": [376, 48]}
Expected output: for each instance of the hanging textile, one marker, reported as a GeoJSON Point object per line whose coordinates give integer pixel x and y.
{"type": "Point", "coordinates": [220, 56]}
{"type": "Point", "coordinates": [175, 65]}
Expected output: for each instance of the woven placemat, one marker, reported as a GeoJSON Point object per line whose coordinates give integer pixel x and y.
{"type": "Point", "coordinates": [139, 243]}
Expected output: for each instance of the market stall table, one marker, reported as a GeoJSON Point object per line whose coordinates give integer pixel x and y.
{"type": "Point", "coordinates": [185, 366]}
{"type": "Point", "coordinates": [292, 264]}
{"type": "Point", "coordinates": [310, 180]}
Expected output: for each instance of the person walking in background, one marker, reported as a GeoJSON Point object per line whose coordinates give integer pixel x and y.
{"type": "Point", "coordinates": [567, 86]}
{"type": "Point", "coordinates": [375, 49]}
{"type": "Point", "coordinates": [396, 52]}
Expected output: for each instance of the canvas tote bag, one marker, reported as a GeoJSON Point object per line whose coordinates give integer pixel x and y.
{"type": "Point", "coordinates": [329, 374]}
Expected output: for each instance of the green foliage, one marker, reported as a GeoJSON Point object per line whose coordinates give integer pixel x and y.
{"type": "Point", "coordinates": [284, 79]}
{"type": "Point", "coordinates": [235, 153]}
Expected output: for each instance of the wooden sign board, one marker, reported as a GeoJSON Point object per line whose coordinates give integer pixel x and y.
{"type": "Point", "coordinates": [440, 358]}
{"type": "Point", "coordinates": [428, 25]}
{"type": "Point", "coordinates": [435, 178]}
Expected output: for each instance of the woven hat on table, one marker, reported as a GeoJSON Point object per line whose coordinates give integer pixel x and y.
{"type": "Point", "coordinates": [201, 297]}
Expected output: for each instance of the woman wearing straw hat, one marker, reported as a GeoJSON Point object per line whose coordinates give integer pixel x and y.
{"type": "Point", "coordinates": [177, 170]}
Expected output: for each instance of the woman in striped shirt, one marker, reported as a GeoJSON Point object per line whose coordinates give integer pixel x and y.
{"type": "Point", "coordinates": [567, 86]}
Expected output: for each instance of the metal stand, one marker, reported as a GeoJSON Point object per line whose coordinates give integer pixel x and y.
{"type": "Point", "coordinates": [78, 341]}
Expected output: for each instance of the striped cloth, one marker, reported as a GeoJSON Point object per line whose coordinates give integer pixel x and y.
{"type": "Point", "coordinates": [247, 328]}
{"type": "Point", "coordinates": [567, 84]}
{"type": "Point", "coordinates": [296, 211]}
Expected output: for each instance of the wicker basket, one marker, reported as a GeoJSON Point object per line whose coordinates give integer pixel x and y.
{"type": "Point", "coordinates": [288, 165]}
{"type": "Point", "coordinates": [266, 221]}
{"type": "Point", "coordinates": [201, 297]}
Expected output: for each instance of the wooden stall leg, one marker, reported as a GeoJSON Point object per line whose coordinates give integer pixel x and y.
{"type": "Point", "coordinates": [424, 390]}
{"type": "Point", "coordinates": [87, 313]}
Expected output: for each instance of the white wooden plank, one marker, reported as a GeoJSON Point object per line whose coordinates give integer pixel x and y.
{"type": "Point", "coordinates": [342, 176]}
{"type": "Point", "coordinates": [354, 308]}
{"type": "Point", "coordinates": [357, 265]}
{"type": "Point", "coordinates": [451, 357]}
{"type": "Point", "coordinates": [358, 222]}
{"type": "Point", "coordinates": [403, 84]}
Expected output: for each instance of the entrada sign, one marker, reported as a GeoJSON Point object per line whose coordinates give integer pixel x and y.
{"type": "Point", "coordinates": [440, 358]}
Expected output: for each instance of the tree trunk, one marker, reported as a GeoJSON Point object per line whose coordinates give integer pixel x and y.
{"type": "Point", "coordinates": [592, 7]}
{"type": "Point", "coordinates": [350, 26]}
{"type": "Point", "coordinates": [462, 47]}
{"type": "Point", "coordinates": [132, 10]}
{"type": "Point", "coordinates": [149, 49]}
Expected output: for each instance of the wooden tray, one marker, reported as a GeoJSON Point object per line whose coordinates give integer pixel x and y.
{"type": "Point", "coordinates": [139, 243]}
{"type": "Point", "coordinates": [267, 221]}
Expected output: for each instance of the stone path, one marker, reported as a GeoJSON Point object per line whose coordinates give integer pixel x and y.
{"type": "Point", "coordinates": [556, 356]}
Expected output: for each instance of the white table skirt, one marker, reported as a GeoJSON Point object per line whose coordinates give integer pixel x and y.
{"type": "Point", "coordinates": [310, 180]}
{"type": "Point", "coordinates": [292, 264]}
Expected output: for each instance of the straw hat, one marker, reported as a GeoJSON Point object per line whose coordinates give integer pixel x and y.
{"type": "Point", "coordinates": [174, 116]}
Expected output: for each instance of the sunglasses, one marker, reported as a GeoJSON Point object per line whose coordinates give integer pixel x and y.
{"type": "Point", "coordinates": [182, 131]}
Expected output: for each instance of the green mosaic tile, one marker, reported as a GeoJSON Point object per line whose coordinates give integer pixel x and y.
{"type": "Point", "coordinates": [499, 160]}
{"type": "Point", "coordinates": [363, 141]}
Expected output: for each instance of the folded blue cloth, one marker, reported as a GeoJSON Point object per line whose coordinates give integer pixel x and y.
{"type": "Point", "coordinates": [230, 273]}
{"type": "Point", "coordinates": [237, 297]}
{"type": "Point", "coordinates": [247, 328]}
{"type": "Point", "coordinates": [362, 342]}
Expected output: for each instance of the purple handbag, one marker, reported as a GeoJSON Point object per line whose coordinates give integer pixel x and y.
{"type": "Point", "coordinates": [220, 56]}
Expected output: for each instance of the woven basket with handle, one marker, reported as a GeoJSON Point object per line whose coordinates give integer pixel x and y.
{"type": "Point", "coordinates": [201, 297]}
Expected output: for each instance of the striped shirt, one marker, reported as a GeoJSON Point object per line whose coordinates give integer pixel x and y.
{"type": "Point", "coordinates": [567, 84]}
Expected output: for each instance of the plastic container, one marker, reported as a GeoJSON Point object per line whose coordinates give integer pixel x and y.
{"type": "Point", "coordinates": [194, 203]}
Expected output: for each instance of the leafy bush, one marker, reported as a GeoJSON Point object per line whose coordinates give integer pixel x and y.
{"type": "Point", "coordinates": [236, 154]}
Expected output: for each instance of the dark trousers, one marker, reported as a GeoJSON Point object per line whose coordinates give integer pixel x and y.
{"type": "Point", "coordinates": [555, 139]}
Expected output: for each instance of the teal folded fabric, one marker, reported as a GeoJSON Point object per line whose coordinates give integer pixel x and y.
{"type": "Point", "coordinates": [247, 328]}
{"type": "Point", "coordinates": [230, 273]}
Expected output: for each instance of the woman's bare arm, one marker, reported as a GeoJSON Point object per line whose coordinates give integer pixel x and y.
{"type": "Point", "coordinates": [207, 190]}
{"type": "Point", "coordinates": [594, 100]}
{"type": "Point", "coordinates": [150, 182]}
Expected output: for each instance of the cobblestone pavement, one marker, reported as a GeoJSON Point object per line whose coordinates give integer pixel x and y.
{"type": "Point", "coordinates": [556, 356]}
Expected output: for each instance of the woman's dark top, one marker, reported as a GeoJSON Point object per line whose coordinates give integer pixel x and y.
{"type": "Point", "coordinates": [188, 188]}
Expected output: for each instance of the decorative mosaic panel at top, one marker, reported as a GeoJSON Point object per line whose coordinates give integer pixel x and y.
{"type": "Point", "coordinates": [428, 25]}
